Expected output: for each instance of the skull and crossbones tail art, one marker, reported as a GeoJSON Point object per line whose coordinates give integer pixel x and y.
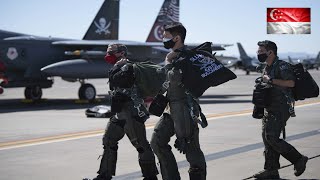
{"type": "Point", "coordinates": [102, 27]}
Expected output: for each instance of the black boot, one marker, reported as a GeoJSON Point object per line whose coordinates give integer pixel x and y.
{"type": "Point", "coordinates": [100, 177]}
{"type": "Point", "coordinates": [149, 170]}
{"type": "Point", "coordinates": [298, 160]}
{"type": "Point", "coordinates": [108, 163]}
{"type": "Point", "coordinates": [151, 178]}
{"type": "Point", "coordinates": [267, 174]}
{"type": "Point", "coordinates": [300, 165]}
{"type": "Point", "coordinates": [196, 174]}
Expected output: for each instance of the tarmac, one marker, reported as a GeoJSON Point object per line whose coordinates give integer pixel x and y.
{"type": "Point", "coordinates": [54, 140]}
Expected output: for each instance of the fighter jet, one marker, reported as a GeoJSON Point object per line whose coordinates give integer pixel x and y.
{"type": "Point", "coordinates": [312, 63]}
{"type": "Point", "coordinates": [294, 61]}
{"type": "Point", "coordinates": [308, 63]}
{"type": "Point", "coordinates": [248, 64]}
{"type": "Point", "coordinates": [228, 61]}
{"type": "Point", "coordinates": [291, 61]}
{"type": "Point", "coordinates": [22, 56]}
{"type": "Point", "coordinates": [32, 61]}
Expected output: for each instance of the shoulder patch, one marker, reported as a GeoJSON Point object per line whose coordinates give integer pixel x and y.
{"type": "Point", "coordinates": [284, 66]}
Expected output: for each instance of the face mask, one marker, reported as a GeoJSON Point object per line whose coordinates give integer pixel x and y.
{"type": "Point", "coordinates": [262, 57]}
{"type": "Point", "coordinates": [111, 59]}
{"type": "Point", "coordinates": [168, 43]}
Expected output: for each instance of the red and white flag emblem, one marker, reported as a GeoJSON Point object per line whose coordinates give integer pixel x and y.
{"type": "Point", "coordinates": [288, 21]}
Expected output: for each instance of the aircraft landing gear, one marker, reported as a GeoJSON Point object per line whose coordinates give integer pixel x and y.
{"type": "Point", "coordinates": [247, 72]}
{"type": "Point", "coordinates": [87, 92]}
{"type": "Point", "coordinates": [33, 93]}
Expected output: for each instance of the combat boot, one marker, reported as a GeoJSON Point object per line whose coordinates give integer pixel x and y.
{"type": "Point", "coordinates": [298, 160]}
{"type": "Point", "coordinates": [100, 177]}
{"type": "Point", "coordinates": [267, 174]}
{"type": "Point", "coordinates": [151, 178]}
{"type": "Point", "coordinates": [300, 165]}
{"type": "Point", "coordinates": [197, 174]}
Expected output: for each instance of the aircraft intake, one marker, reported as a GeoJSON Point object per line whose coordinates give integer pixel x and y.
{"type": "Point", "coordinates": [2, 67]}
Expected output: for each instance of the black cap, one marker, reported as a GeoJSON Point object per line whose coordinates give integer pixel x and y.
{"type": "Point", "coordinates": [268, 45]}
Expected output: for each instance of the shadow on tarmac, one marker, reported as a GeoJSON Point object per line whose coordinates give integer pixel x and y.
{"type": "Point", "coordinates": [224, 101]}
{"type": "Point", "coordinates": [225, 98]}
{"type": "Point", "coordinates": [21, 105]}
{"type": "Point", "coordinates": [227, 153]}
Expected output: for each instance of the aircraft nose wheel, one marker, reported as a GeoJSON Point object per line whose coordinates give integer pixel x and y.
{"type": "Point", "coordinates": [33, 93]}
{"type": "Point", "coordinates": [87, 92]}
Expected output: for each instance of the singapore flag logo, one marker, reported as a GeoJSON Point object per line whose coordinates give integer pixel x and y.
{"type": "Point", "coordinates": [288, 21]}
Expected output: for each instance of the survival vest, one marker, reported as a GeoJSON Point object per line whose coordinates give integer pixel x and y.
{"type": "Point", "coordinates": [201, 70]}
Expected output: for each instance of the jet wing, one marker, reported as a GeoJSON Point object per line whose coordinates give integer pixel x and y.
{"type": "Point", "coordinates": [230, 63]}
{"type": "Point", "coordinates": [104, 43]}
{"type": "Point", "coordinates": [6, 34]}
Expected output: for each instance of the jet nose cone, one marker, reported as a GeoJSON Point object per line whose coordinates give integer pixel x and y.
{"type": "Point", "coordinates": [78, 68]}
{"type": "Point", "coordinates": [62, 68]}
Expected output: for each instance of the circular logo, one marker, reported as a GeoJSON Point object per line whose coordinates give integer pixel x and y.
{"type": "Point", "coordinates": [12, 53]}
{"type": "Point", "coordinates": [158, 30]}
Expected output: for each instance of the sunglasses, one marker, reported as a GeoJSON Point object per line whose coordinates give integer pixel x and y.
{"type": "Point", "coordinates": [112, 52]}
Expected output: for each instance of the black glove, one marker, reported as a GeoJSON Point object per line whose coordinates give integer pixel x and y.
{"type": "Point", "coordinates": [117, 101]}
{"type": "Point", "coordinates": [109, 114]}
{"type": "Point", "coordinates": [125, 77]}
{"type": "Point", "coordinates": [181, 144]}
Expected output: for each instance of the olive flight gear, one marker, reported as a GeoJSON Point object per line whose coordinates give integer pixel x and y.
{"type": "Point", "coordinates": [119, 125]}
{"type": "Point", "coordinates": [178, 121]}
{"type": "Point", "coordinates": [131, 113]}
{"type": "Point", "coordinates": [277, 112]}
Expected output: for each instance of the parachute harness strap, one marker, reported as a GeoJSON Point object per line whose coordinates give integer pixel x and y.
{"type": "Point", "coordinates": [133, 94]}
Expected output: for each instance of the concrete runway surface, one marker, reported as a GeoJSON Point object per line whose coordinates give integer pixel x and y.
{"type": "Point", "coordinates": [54, 140]}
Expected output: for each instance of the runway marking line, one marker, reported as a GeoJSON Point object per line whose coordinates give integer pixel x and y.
{"type": "Point", "coordinates": [94, 133]}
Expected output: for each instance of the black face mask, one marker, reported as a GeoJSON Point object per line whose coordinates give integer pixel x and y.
{"type": "Point", "coordinates": [262, 57]}
{"type": "Point", "coordinates": [169, 44]}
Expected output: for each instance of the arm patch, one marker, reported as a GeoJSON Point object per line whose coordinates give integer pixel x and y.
{"type": "Point", "coordinates": [284, 67]}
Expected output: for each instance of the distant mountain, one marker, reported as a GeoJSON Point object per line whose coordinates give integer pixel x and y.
{"type": "Point", "coordinates": [293, 55]}
{"type": "Point", "coordinates": [296, 55]}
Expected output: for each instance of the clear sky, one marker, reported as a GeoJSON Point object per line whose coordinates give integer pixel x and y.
{"type": "Point", "coordinates": [223, 21]}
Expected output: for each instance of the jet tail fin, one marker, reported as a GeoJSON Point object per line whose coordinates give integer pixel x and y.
{"type": "Point", "coordinates": [106, 23]}
{"type": "Point", "coordinates": [290, 60]}
{"type": "Point", "coordinates": [168, 13]}
{"type": "Point", "coordinates": [246, 60]}
{"type": "Point", "coordinates": [242, 52]}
